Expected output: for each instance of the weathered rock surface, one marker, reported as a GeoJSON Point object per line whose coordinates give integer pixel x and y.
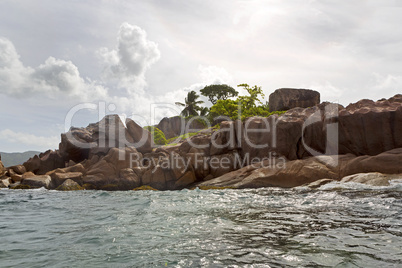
{"type": "Point", "coordinates": [368, 141]}
{"type": "Point", "coordinates": [37, 181]}
{"type": "Point", "coordinates": [45, 162]}
{"type": "Point", "coordinates": [59, 178]}
{"type": "Point", "coordinates": [287, 98]}
{"type": "Point", "coordinates": [69, 185]}
{"type": "Point", "coordinates": [177, 125]}
{"type": "Point", "coordinates": [299, 172]}
{"type": "Point", "coordinates": [19, 169]}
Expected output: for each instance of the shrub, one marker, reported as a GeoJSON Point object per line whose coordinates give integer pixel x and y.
{"type": "Point", "coordinates": [157, 135]}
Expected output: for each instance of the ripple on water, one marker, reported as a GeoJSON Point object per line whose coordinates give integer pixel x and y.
{"type": "Point", "coordinates": [355, 225]}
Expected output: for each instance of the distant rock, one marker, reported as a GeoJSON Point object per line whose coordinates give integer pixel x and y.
{"type": "Point", "coordinates": [287, 98]}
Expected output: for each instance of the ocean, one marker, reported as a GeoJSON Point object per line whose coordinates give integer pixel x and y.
{"type": "Point", "coordinates": [348, 225]}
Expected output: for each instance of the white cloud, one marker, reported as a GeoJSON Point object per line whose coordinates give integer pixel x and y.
{"type": "Point", "coordinates": [26, 139]}
{"type": "Point", "coordinates": [52, 79]}
{"type": "Point", "coordinates": [132, 57]}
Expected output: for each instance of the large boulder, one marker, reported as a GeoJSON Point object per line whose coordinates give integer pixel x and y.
{"type": "Point", "coordinates": [110, 172]}
{"type": "Point", "coordinates": [37, 181]}
{"type": "Point", "coordinates": [177, 125]}
{"type": "Point", "coordinates": [97, 139]}
{"type": "Point", "coordinates": [294, 173]}
{"type": "Point", "coordinates": [45, 162]}
{"type": "Point", "coordinates": [59, 178]}
{"type": "Point", "coordinates": [287, 98]}
{"type": "Point", "coordinates": [141, 137]}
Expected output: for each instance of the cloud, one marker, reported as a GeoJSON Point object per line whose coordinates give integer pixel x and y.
{"type": "Point", "coordinates": [53, 78]}
{"type": "Point", "coordinates": [25, 139]}
{"type": "Point", "coordinates": [132, 57]}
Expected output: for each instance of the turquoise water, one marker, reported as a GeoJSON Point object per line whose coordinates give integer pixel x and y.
{"type": "Point", "coordinates": [356, 226]}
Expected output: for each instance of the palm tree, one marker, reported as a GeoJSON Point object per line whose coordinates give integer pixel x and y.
{"type": "Point", "coordinates": [190, 104]}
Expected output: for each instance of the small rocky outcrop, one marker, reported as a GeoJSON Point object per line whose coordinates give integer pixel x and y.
{"type": "Point", "coordinates": [69, 185]}
{"type": "Point", "coordinates": [373, 178]}
{"type": "Point", "coordinates": [287, 98]}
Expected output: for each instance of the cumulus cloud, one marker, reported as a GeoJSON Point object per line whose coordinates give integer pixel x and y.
{"type": "Point", "coordinates": [53, 78]}
{"type": "Point", "coordinates": [132, 57]}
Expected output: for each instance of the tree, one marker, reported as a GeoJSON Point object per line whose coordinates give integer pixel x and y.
{"type": "Point", "coordinates": [190, 104]}
{"type": "Point", "coordinates": [218, 92]}
{"type": "Point", "coordinates": [249, 102]}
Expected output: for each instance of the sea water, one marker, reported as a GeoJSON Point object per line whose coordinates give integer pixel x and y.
{"type": "Point", "coordinates": [338, 225]}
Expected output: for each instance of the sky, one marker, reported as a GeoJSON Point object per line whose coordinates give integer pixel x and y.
{"type": "Point", "coordinates": [66, 63]}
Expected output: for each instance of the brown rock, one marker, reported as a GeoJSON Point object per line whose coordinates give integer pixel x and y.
{"type": "Point", "coordinates": [37, 181]}
{"type": "Point", "coordinates": [186, 180]}
{"type": "Point", "coordinates": [28, 175]}
{"type": "Point", "coordinates": [59, 178]}
{"type": "Point", "coordinates": [299, 172]}
{"type": "Point", "coordinates": [19, 169]}
{"type": "Point", "coordinates": [287, 98]}
{"type": "Point", "coordinates": [16, 177]}
{"type": "Point", "coordinates": [141, 137]}
{"type": "Point", "coordinates": [45, 162]}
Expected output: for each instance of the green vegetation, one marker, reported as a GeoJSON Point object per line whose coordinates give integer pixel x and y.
{"type": "Point", "coordinates": [218, 92]}
{"type": "Point", "coordinates": [182, 137]}
{"type": "Point", "coordinates": [157, 135]}
{"type": "Point", "coordinates": [191, 105]}
{"type": "Point", "coordinates": [242, 107]}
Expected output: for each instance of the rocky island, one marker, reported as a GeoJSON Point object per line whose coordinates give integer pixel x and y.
{"type": "Point", "coordinates": [311, 143]}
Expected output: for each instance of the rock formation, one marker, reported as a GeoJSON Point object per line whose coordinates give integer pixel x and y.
{"type": "Point", "coordinates": [287, 98]}
{"type": "Point", "coordinates": [177, 125]}
{"type": "Point", "coordinates": [301, 146]}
